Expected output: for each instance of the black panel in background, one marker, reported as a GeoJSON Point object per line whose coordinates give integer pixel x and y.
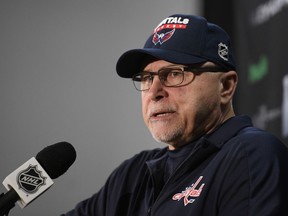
{"type": "Point", "coordinates": [260, 50]}
{"type": "Point", "coordinates": [220, 13]}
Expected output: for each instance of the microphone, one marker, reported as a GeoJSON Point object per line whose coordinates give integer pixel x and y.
{"type": "Point", "coordinates": [35, 176]}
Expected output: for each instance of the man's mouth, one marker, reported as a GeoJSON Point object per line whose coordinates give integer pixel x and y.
{"type": "Point", "coordinates": [161, 114]}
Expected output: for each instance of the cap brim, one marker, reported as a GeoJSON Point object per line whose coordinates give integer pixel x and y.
{"type": "Point", "coordinates": [132, 61]}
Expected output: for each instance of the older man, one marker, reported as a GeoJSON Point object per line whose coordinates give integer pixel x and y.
{"type": "Point", "coordinates": [215, 163]}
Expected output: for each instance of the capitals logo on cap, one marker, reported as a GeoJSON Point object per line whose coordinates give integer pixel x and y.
{"type": "Point", "coordinates": [168, 23]}
{"type": "Point", "coordinates": [162, 37]}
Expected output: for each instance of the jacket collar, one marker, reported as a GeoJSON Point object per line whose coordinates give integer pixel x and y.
{"type": "Point", "coordinates": [227, 130]}
{"type": "Point", "coordinates": [204, 147]}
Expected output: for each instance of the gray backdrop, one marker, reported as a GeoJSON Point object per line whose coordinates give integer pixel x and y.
{"type": "Point", "coordinates": [58, 83]}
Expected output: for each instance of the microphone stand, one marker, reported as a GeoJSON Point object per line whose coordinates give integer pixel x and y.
{"type": "Point", "coordinates": [7, 202]}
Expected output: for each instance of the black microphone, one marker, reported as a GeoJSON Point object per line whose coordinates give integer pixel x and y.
{"type": "Point", "coordinates": [35, 176]}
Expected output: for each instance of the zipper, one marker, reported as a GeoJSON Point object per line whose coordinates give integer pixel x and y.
{"type": "Point", "coordinates": [207, 149]}
{"type": "Point", "coordinates": [149, 211]}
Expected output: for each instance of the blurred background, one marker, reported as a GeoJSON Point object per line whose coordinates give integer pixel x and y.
{"type": "Point", "coordinates": [58, 81]}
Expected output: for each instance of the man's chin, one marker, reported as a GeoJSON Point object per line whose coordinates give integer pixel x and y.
{"type": "Point", "coordinates": [166, 136]}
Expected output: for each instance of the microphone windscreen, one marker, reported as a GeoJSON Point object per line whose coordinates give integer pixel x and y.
{"type": "Point", "coordinates": [56, 159]}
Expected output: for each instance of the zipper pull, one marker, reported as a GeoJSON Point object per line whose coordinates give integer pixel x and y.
{"type": "Point", "coordinates": [149, 211]}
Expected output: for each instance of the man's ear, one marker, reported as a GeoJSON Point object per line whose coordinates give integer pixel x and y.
{"type": "Point", "coordinates": [229, 82]}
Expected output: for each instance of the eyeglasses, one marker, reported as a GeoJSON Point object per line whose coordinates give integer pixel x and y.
{"type": "Point", "coordinates": [173, 76]}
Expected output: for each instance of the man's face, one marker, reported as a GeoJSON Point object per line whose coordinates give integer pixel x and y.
{"type": "Point", "coordinates": [178, 115]}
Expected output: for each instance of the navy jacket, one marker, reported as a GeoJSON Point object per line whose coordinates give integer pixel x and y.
{"type": "Point", "coordinates": [237, 170]}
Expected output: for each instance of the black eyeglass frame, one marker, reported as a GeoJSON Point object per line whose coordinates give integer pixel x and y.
{"type": "Point", "coordinates": [190, 68]}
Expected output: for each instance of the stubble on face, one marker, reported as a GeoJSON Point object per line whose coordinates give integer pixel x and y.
{"type": "Point", "coordinates": [176, 129]}
{"type": "Point", "coordinates": [167, 130]}
{"type": "Point", "coordinates": [177, 116]}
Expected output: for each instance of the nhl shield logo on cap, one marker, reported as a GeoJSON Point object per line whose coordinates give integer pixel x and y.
{"type": "Point", "coordinates": [223, 51]}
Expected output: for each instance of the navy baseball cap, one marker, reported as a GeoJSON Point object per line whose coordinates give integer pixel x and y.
{"type": "Point", "coordinates": [181, 39]}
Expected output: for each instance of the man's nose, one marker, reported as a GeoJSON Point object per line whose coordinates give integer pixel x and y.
{"type": "Point", "coordinates": [157, 89]}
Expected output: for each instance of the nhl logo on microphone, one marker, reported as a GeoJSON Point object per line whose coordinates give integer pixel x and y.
{"type": "Point", "coordinates": [31, 179]}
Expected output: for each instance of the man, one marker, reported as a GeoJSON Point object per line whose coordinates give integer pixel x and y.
{"type": "Point", "coordinates": [215, 163]}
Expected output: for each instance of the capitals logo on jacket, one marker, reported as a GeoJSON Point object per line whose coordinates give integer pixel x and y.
{"type": "Point", "coordinates": [190, 193]}
{"type": "Point", "coordinates": [167, 27]}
